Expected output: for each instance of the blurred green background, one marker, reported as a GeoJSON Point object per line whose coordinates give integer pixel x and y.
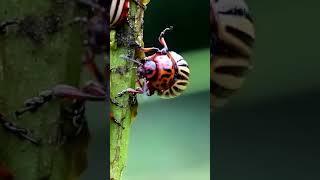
{"type": "Point", "coordinates": [170, 139]}
{"type": "Point", "coordinates": [270, 128]}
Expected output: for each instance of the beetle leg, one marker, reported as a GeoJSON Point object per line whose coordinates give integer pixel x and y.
{"type": "Point", "coordinates": [32, 104]}
{"type": "Point", "coordinates": [116, 103]}
{"type": "Point", "coordinates": [142, 89]}
{"type": "Point", "coordinates": [130, 91]}
{"type": "Point", "coordinates": [145, 50]}
{"type": "Point", "coordinates": [130, 59]}
{"type": "Point", "coordinates": [59, 91]}
{"type": "Point", "coordinates": [89, 62]}
{"type": "Point", "coordinates": [97, 88]}
{"type": "Point", "coordinates": [18, 131]}
{"type": "Point", "coordinates": [76, 114]}
{"type": "Point", "coordinates": [91, 92]}
{"type": "Point", "coordinates": [94, 88]}
{"type": "Point", "coordinates": [119, 123]}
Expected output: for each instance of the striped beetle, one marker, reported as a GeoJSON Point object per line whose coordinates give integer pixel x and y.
{"type": "Point", "coordinates": [164, 72]}
{"type": "Point", "coordinates": [232, 38]}
{"type": "Point", "coordinates": [119, 10]}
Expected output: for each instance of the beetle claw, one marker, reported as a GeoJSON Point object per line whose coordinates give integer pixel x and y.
{"type": "Point", "coordinates": [116, 103]}
{"type": "Point", "coordinates": [119, 123]}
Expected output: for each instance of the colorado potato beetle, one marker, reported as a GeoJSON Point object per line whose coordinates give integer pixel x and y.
{"type": "Point", "coordinates": [119, 10]}
{"type": "Point", "coordinates": [232, 39]}
{"type": "Point", "coordinates": [165, 72]}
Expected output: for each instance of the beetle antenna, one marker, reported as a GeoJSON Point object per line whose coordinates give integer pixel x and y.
{"type": "Point", "coordinates": [130, 59]}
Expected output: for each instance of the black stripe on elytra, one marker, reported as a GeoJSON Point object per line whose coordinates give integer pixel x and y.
{"type": "Point", "coordinates": [116, 11]}
{"type": "Point", "coordinates": [177, 89]}
{"type": "Point", "coordinates": [238, 12]}
{"type": "Point", "coordinates": [243, 36]}
{"type": "Point", "coordinates": [171, 91]}
{"type": "Point", "coordinates": [228, 50]}
{"type": "Point", "coordinates": [237, 71]}
{"type": "Point", "coordinates": [185, 72]}
{"type": "Point", "coordinates": [220, 91]}
{"type": "Point", "coordinates": [182, 83]}
{"type": "Point", "coordinates": [181, 77]}
{"type": "Point", "coordinates": [183, 65]}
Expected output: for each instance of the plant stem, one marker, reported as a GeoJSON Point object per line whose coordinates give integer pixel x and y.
{"type": "Point", "coordinates": [123, 76]}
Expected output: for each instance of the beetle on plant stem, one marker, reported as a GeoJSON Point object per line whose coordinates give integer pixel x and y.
{"type": "Point", "coordinates": [164, 72]}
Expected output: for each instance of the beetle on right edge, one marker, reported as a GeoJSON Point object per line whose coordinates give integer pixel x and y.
{"type": "Point", "coordinates": [232, 45]}
{"type": "Point", "coordinates": [164, 72]}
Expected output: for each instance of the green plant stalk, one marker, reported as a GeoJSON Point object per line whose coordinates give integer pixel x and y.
{"type": "Point", "coordinates": [119, 135]}
{"type": "Point", "coordinates": [26, 68]}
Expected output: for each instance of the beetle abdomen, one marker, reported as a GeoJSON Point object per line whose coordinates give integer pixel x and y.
{"type": "Point", "coordinates": [231, 49]}
{"type": "Point", "coordinates": [118, 11]}
{"type": "Point", "coordinates": [180, 80]}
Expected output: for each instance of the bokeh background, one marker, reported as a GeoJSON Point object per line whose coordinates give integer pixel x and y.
{"type": "Point", "coordinates": [270, 129]}
{"type": "Point", "coordinates": [170, 139]}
